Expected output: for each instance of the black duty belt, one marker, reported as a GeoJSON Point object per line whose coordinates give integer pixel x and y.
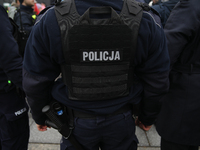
{"type": "Point", "coordinates": [187, 68]}
{"type": "Point", "coordinates": [93, 116]}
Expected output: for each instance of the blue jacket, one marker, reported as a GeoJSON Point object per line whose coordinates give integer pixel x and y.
{"type": "Point", "coordinates": [147, 1]}
{"type": "Point", "coordinates": [164, 9]}
{"type": "Point", "coordinates": [44, 56]}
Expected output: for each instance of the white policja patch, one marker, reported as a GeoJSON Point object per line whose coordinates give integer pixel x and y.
{"type": "Point", "coordinates": [88, 56]}
{"type": "Point", "coordinates": [19, 112]}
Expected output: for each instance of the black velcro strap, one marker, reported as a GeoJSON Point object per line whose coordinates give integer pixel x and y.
{"type": "Point", "coordinates": [109, 68]}
{"type": "Point", "coordinates": [93, 116]}
{"type": "Point", "coordinates": [102, 90]}
{"type": "Point", "coordinates": [100, 79]}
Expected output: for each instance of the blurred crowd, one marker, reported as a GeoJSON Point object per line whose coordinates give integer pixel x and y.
{"type": "Point", "coordinates": [11, 7]}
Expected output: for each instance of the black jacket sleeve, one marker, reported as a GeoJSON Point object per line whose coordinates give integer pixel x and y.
{"type": "Point", "coordinates": [10, 60]}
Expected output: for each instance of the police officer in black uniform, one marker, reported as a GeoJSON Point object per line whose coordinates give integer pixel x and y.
{"type": "Point", "coordinates": [14, 124]}
{"type": "Point", "coordinates": [111, 56]}
{"type": "Point", "coordinates": [25, 17]}
{"type": "Point", "coordinates": [178, 123]}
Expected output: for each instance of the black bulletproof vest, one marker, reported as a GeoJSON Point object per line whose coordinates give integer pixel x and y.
{"type": "Point", "coordinates": [99, 53]}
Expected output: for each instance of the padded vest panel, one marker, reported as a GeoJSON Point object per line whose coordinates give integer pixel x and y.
{"type": "Point", "coordinates": [99, 53]}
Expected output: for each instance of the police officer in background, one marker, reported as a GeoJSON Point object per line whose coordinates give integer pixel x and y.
{"type": "Point", "coordinates": [14, 124]}
{"type": "Point", "coordinates": [25, 17]}
{"type": "Point", "coordinates": [178, 123]}
{"type": "Point", "coordinates": [163, 7]}
{"type": "Point", "coordinates": [112, 56]}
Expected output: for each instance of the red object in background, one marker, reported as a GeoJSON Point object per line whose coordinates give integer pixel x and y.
{"type": "Point", "coordinates": [36, 10]}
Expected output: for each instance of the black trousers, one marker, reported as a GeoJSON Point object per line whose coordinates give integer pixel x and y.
{"type": "Point", "coordinates": [108, 133]}
{"type": "Point", "coordinates": [166, 145]}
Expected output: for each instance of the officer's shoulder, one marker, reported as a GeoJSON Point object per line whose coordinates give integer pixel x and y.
{"type": "Point", "coordinates": [149, 13]}
{"type": "Point", "coordinates": [43, 13]}
{"type": "Point", "coordinates": [2, 10]}
{"type": "Point", "coordinates": [21, 13]}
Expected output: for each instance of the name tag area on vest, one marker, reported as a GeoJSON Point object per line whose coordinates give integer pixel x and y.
{"type": "Point", "coordinates": [99, 43]}
{"type": "Point", "coordinates": [100, 55]}
{"type": "Point", "coordinates": [99, 61]}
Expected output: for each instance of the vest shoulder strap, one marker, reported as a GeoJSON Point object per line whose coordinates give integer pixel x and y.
{"type": "Point", "coordinates": [133, 10]}
{"type": "Point", "coordinates": [133, 7]}
{"type": "Point", "coordinates": [63, 8]}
